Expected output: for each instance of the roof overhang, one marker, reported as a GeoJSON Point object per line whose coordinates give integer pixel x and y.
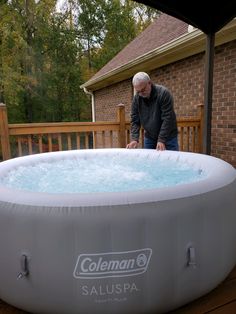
{"type": "Point", "coordinates": [182, 47]}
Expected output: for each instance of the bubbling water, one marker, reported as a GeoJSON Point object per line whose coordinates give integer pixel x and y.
{"type": "Point", "coordinates": [100, 174]}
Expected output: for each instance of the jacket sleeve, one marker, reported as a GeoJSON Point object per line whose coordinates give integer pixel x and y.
{"type": "Point", "coordinates": [167, 116]}
{"type": "Point", "coordinates": [135, 120]}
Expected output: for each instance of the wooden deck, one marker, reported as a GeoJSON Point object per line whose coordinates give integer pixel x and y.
{"type": "Point", "coordinates": [222, 300]}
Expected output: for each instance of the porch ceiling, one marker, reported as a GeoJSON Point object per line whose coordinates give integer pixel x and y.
{"type": "Point", "coordinates": [208, 16]}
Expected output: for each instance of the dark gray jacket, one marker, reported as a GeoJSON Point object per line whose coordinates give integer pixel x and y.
{"type": "Point", "coordinates": [155, 114]}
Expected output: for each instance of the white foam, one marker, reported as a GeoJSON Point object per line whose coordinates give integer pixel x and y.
{"type": "Point", "coordinates": [103, 174]}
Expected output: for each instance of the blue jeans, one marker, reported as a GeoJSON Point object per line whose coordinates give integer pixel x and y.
{"type": "Point", "coordinates": [171, 144]}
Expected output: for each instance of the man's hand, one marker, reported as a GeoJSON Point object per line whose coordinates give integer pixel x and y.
{"type": "Point", "coordinates": [160, 146]}
{"type": "Point", "coordinates": [132, 144]}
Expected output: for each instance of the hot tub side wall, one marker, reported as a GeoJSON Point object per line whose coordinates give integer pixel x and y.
{"type": "Point", "coordinates": [182, 248]}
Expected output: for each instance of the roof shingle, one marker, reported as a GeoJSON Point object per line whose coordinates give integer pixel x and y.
{"type": "Point", "coordinates": [162, 30]}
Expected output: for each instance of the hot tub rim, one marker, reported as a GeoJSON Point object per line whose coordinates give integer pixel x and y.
{"type": "Point", "coordinates": [220, 174]}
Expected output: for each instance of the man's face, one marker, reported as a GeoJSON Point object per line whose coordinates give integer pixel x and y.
{"type": "Point", "coordinates": [143, 88]}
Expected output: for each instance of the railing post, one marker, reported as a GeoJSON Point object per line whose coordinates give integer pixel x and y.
{"type": "Point", "coordinates": [201, 115]}
{"type": "Point", "coordinates": [121, 120]}
{"type": "Point", "coordinates": [4, 133]}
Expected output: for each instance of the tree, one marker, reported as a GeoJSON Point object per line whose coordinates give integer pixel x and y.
{"type": "Point", "coordinates": [45, 55]}
{"type": "Point", "coordinates": [113, 25]}
{"type": "Point", "coordinates": [40, 71]}
{"type": "Point", "coordinates": [18, 29]}
{"type": "Point", "coordinates": [62, 74]}
{"type": "Point", "coordinates": [90, 26]}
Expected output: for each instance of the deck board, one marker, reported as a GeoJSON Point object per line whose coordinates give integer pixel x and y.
{"type": "Point", "coordinates": [229, 308]}
{"type": "Point", "coordinates": [221, 300]}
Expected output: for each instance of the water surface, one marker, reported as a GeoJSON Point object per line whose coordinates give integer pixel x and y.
{"type": "Point", "coordinates": [100, 174]}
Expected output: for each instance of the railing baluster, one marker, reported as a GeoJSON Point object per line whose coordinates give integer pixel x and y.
{"type": "Point", "coordinates": [110, 139]}
{"type": "Point", "coordinates": [103, 138]}
{"type": "Point", "coordinates": [49, 142]}
{"type": "Point", "coordinates": [86, 140]}
{"type": "Point", "coordinates": [30, 144]}
{"type": "Point", "coordinates": [40, 138]}
{"type": "Point", "coordinates": [193, 140]}
{"type": "Point", "coordinates": [181, 138]}
{"type": "Point", "coordinates": [199, 139]}
{"type": "Point", "coordinates": [69, 141]}
{"type": "Point", "coordinates": [19, 145]}
{"type": "Point", "coordinates": [128, 136]}
{"type": "Point", "coordinates": [188, 138]}
{"type": "Point", "coordinates": [95, 139]}
{"type": "Point", "coordinates": [59, 141]}
{"type": "Point", "coordinates": [142, 137]}
{"type": "Point", "coordinates": [78, 140]}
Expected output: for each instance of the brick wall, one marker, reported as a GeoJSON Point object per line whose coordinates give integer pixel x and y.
{"type": "Point", "coordinates": [185, 79]}
{"type": "Point", "coordinates": [108, 98]}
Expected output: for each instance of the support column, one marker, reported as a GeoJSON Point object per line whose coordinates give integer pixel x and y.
{"type": "Point", "coordinates": [4, 133]}
{"type": "Point", "coordinates": [121, 120]}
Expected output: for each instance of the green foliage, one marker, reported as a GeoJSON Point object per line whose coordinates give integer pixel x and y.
{"type": "Point", "coordinates": [119, 21]}
{"type": "Point", "coordinates": [45, 55]}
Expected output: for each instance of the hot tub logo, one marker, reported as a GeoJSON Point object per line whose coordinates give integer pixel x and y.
{"type": "Point", "coordinates": [112, 264]}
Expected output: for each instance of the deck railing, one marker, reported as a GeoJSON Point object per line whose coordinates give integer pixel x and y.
{"type": "Point", "coordinates": [24, 139]}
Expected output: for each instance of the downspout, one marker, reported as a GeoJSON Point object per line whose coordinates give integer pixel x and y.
{"type": "Point", "coordinates": [93, 106]}
{"type": "Point", "coordinates": [93, 111]}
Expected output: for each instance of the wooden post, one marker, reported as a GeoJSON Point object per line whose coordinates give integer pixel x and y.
{"type": "Point", "coordinates": [4, 133]}
{"type": "Point", "coordinates": [121, 120]}
{"type": "Point", "coordinates": [201, 115]}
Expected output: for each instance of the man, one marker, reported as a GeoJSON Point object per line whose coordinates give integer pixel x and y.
{"type": "Point", "coordinates": [153, 109]}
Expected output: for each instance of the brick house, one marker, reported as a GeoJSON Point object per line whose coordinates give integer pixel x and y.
{"type": "Point", "coordinates": [173, 53]}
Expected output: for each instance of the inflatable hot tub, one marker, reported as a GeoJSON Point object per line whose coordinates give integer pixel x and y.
{"type": "Point", "coordinates": [146, 250]}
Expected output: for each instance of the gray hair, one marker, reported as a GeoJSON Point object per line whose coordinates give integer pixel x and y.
{"type": "Point", "coordinates": [140, 77]}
